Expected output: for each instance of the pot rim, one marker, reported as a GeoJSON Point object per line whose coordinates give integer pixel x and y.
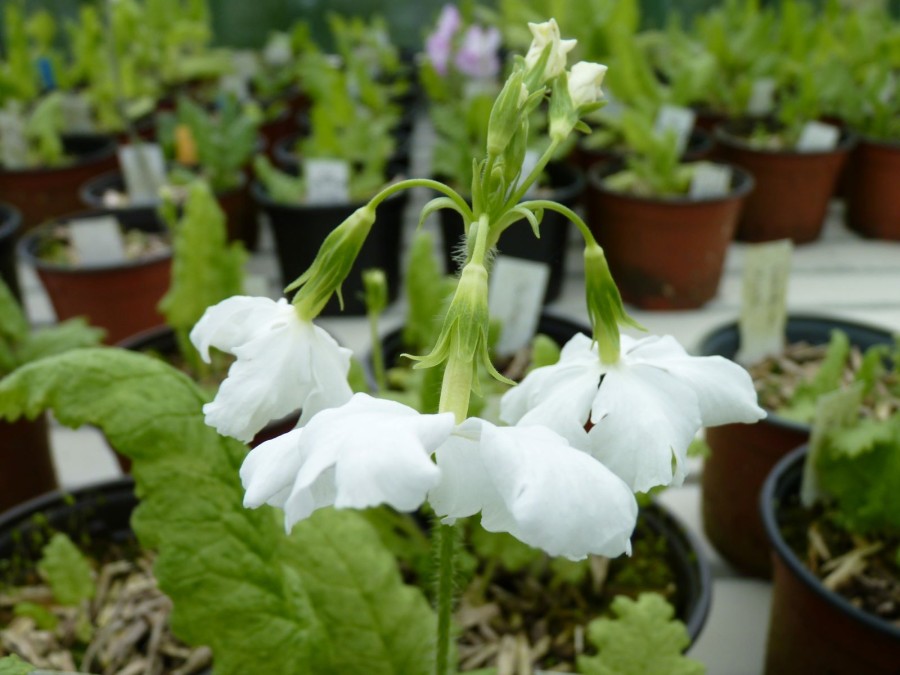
{"type": "Point", "coordinates": [723, 134]}
{"type": "Point", "coordinates": [21, 512]}
{"type": "Point", "coordinates": [88, 195]}
{"type": "Point", "coordinates": [104, 150]}
{"type": "Point", "coordinates": [779, 480]}
{"type": "Point", "coordinates": [772, 417]}
{"type": "Point", "coordinates": [261, 196]}
{"type": "Point", "coordinates": [28, 244]}
{"type": "Point", "coordinates": [892, 144]}
{"type": "Point", "coordinates": [10, 220]}
{"type": "Point", "coordinates": [743, 180]}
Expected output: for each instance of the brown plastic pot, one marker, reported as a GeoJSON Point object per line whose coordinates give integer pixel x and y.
{"type": "Point", "coordinates": [873, 189]}
{"type": "Point", "coordinates": [792, 187]}
{"type": "Point", "coordinates": [122, 297]}
{"type": "Point", "coordinates": [43, 194]}
{"type": "Point", "coordinates": [26, 464]}
{"type": "Point", "coordinates": [666, 252]}
{"type": "Point", "coordinates": [744, 454]}
{"type": "Point", "coordinates": [10, 225]}
{"type": "Point", "coordinates": [813, 630]}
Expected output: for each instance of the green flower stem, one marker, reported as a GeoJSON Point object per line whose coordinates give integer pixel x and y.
{"type": "Point", "coordinates": [377, 355]}
{"type": "Point", "coordinates": [565, 211]}
{"type": "Point", "coordinates": [447, 535]}
{"type": "Point", "coordinates": [533, 176]}
{"type": "Point", "coordinates": [394, 188]}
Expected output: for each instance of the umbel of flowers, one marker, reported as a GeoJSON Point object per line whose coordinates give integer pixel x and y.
{"type": "Point", "coordinates": [615, 415]}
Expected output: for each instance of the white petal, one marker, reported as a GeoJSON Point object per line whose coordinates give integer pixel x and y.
{"type": "Point", "coordinates": [233, 322]}
{"type": "Point", "coordinates": [268, 471]}
{"type": "Point", "coordinates": [643, 419]}
{"type": "Point", "coordinates": [330, 365]}
{"type": "Point", "coordinates": [724, 389]}
{"type": "Point", "coordinates": [555, 497]}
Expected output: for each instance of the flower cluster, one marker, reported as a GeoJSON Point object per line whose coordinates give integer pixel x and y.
{"type": "Point", "coordinates": [613, 417]}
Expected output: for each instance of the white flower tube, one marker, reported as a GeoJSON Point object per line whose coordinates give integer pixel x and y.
{"type": "Point", "coordinates": [364, 453]}
{"type": "Point", "coordinates": [529, 482]}
{"type": "Point", "coordinates": [283, 363]}
{"type": "Point", "coordinates": [644, 410]}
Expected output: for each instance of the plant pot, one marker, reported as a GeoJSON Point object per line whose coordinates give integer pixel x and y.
{"type": "Point", "coordinates": [518, 241]}
{"type": "Point", "coordinates": [873, 201]}
{"type": "Point", "coordinates": [813, 630]}
{"type": "Point", "coordinates": [669, 252]}
{"type": "Point", "coordinates": [792, 187]}
{"type": "Point", "coordinates": [285, 155]}
{"type": "Point", "coordinates": [42, 194]}
{"type": "Point", "coordinates": [119, 297]}
{"type": "Point", "coordinates": [299, 231]}
{"type": "Point", "coordinates": [700, 146]}
{"type": "Point", "coordinates": [240, 216]}
{"type": "Point", "coordinates": [10, 225]}
{"type": "Point", "coordinates": [26, 463]}
{"type": "Point", "coordinates": [744, 454]}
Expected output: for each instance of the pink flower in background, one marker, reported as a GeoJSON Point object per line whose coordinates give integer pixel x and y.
{"type": "Point", "coordinates": [439, 45]}
{"type": "Point", "coordinates": [477, 55]}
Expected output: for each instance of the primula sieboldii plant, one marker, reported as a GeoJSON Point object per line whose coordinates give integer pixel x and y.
{"type": "Point", "coordinates": [614, 416]}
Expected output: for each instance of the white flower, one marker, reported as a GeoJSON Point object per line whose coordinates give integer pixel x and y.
{"type": "Point", "coordinates": [645, 409]}
{"type": "Point", "coordinates": [365, 453]}
{"type": "Point", "coordinates": [529, 482]}
{"type": "Point", "coordinates": [585, 79]}
{"type": "Point", "coordinates": [283, 363]}
{"type": "Point", "coordinates": [548, 33]}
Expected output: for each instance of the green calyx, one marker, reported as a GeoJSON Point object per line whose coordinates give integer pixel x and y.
{"type": "Point", "coordinates": [604, 304]}
{"type": "Point", "coordinates": [332, 264]}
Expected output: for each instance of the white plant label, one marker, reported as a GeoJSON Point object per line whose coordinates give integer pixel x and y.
{"type": "Point", "coordinates": [710, 180]}
{"type": "Point", "coordinates": [278, 50]}
{"type": "Point", "coordinates": [528, 163]}
{"type": "Point", "coordinates": [76, 111]}
{"type": "Point", "coordinates": [762, 97]}
{"type": "Point", "coordinates": [235, 84]}
{"type": "Point", "coordinates": [327, 181]}
{"type": "Point", "coordinates": [256, 285]}
{"type": "Point", "coordinates": [678, 119]}
{"type": "Point", "coordinates": [818, 137]}
{"type": "Point", "coordinates": [97, 241]}
{"type": "Point", "coordinates": [13, 146]}
{"type": "Point", "coordinates": [889, 89]}
{"type": "Point", "coordinates": [767, 268]}
{"type": "Point", "coordinates": [144, 171]}
{"type": "Point", "coordinates": [516, 297]}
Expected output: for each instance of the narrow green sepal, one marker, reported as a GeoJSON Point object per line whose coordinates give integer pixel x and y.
{"type": "Point", "coordinates": [493, 372]}
{"type": "Point", "coordinates": [583, 127]}
{"type": "Point", "coordinates": [604, 304]}
{"type": "Point", "coordinates": [437, 204]}
{"type": "Point", "coordinates": [563, 113]}
{"type": "Point", "coordinates": [534, 78]}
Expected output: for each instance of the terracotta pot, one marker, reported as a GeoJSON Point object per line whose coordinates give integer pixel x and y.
{"type": "Point", "coordinates": [744, 454]}
{"type": "Point", "coordinates": [708, 119]}
{"type": "Point", "coordinates": [26, 463]}
{"type": "Point", "coordinates": [792, 187]}
{"type": "Point", "coordinates": [122, 297]}
{"type": "Point", "coordinates": [42, 194]}
{"type": "Point", "coordinates": [566, 187]}
{"type": "Point", "coordinates": [873, 189]}
{"type": "Point", "coordinates": [10, 225]}
{"type": "Point", "coordinates": [668, 252]}
{"type": "Point", "coordinates": [300, 229]}
{"type": "Point", "coordinates": [813, 630]}
{"type": "Point", "coordinates": [240, 214]}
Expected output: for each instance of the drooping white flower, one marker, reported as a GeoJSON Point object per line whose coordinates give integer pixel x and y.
{"type": "Point", "coordinates": [645, 409]}
{"type": "Point", "coordinates": [365, 453]}
{"type": "Point", "coordinates": [529, 482]}
{"type": "Point", "coordinates": [283, 363]}
{"type": "Point", "coordinates": [585, 79]}
{"type": "Point", "coordinates": [543, 34]}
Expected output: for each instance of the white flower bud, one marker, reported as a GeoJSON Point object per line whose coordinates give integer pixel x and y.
{"type": "Point", "coordinates": [548, 33]}
{"type": "Point", "coordinates": [585, 79]}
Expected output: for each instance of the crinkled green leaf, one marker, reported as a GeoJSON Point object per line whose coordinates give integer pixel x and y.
{"type": "Point", "coordinates": [71, 334]}
{"type": "Point", "coordinates": [827, 378]}
{"type": "Point", "coordinates": [327, 599]}
{"type": "Point", "coordinates": [66, 570]}
{"type": "Point", "coordinates": [643, 639]}
{"type": "Point", "coordinates": [13, 665]}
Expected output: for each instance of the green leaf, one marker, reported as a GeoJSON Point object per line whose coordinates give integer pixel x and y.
{"type": "Point", "coordinates": [71, 334]}
{"type": "Point", "coordinates": [42, 617]}
{"type": "Point", "coordinates": [67, 571]}
{"type": "Point", "coordinates": [13, 322]}
{"type": "Point", "coordinates": [511, 553]}
{"type": "Point", "coordinates": [544, 351]}
{"type": "Point", "coordinates": [13, 665]}
{"type": "Point", "coordinates": [827, 379]}
{"type": "Point", "coordinates": [327, 599]}
{"type": "Point", "coordinates": [643, 639]}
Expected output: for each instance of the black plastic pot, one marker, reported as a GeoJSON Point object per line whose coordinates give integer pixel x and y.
{"type": "Point", "coordinates": [10, 225]}
{"type": "Point", "coordinates": [299, 231]}
{"type": "Point", "coordinates": [284, 152]}
{"type": "Point", "coordinates": [744, 454]}
{"type": "Point", "coordinates": [566, 187]}
{"type": "Point", "coordinates": [813, 630]}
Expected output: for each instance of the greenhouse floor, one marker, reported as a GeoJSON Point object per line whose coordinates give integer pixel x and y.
{"type": "Point", "coordinates": [841, 275]}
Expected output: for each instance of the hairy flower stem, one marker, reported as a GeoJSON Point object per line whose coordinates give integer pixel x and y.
{"type": "Point", "coordinates": [446, 535]}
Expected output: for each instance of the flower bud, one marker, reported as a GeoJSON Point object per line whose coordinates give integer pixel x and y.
{"type": "Point", "coordinates": [604, 304]}
{"type": "Point", "coordinates": [547, 34]}
{"type": "Point", "coordinates": [376, 290]}
{"type": "Point", "coordinates": [585, 79]}
{"type": "Point", "coordinates": [504, 120]}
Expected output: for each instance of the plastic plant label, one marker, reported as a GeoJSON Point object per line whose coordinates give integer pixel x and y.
{"type": "Point", "coordinates": [13, 146]}
{"type": "Point", "coordinates": [278, 51]}
{"type": "Point", "coordinates": [762, 96]}
{"type": "Point", "coordinates": [678, 119]}
{"type": "Point", "coordinates": [710, 180]}
{"type": "Point", "coordinates": [818, 137]}
{"type": "Point", "coordinates": [516, 297]}
{"type": "Point", "coordinates": [764, 300]}
{"type": "Point", "coordinates": [236, 85]}
{"type": "Point", "coordinates": [327, 181]}
{"type": "Point", "coordinates": [528, 163]}
{"type": "Point", "coordinates": [835, 410]}
{"type": "Point", "coordinates": [144, 170]}
{"type": "Point", "coordinates": [256, 285]}
{"type": "Point", "coordinates": [97, 241]}
{"type": "Point", "coordinates": [45, 70]}
{"type": "Point", "coordinates": [76, 110]}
